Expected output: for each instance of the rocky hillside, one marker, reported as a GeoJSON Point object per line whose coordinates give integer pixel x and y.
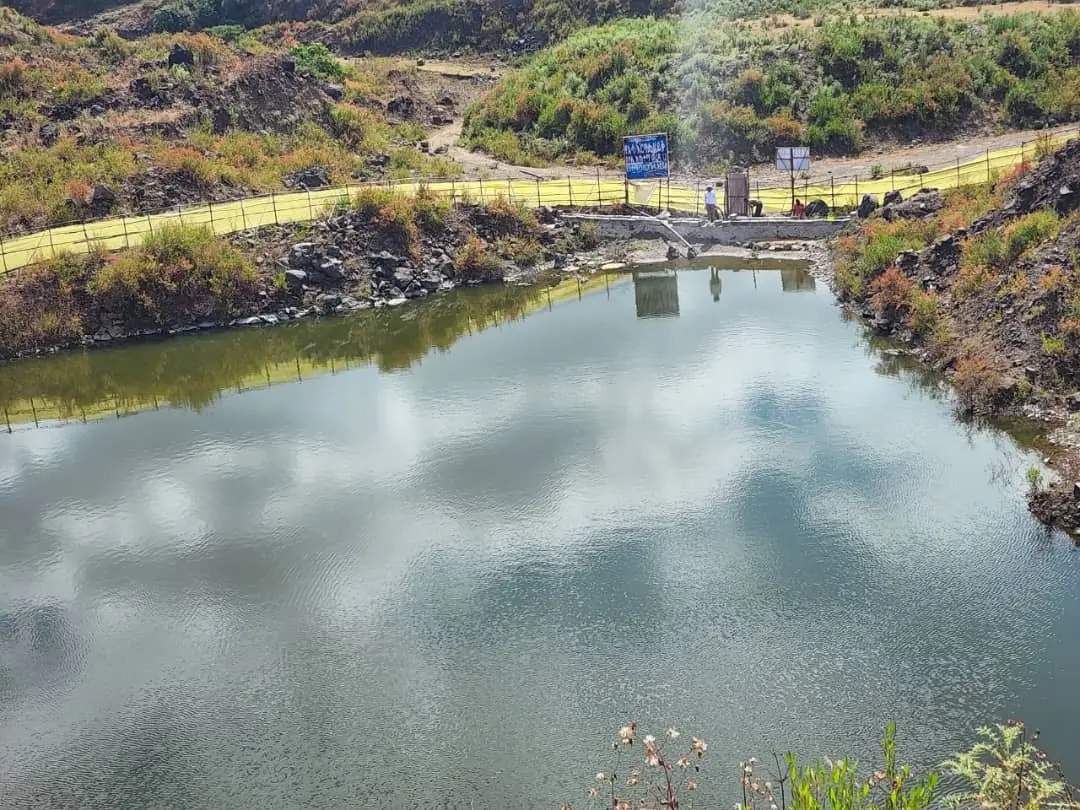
{"type": "Point", "coordinates": [357, 26]}
{"type": "Point", "coordinates": [92, 126]}
{"type": "Point", "coordinates": [984, 283]}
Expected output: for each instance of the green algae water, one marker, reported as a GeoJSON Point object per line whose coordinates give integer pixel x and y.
{"type": "Point", "coordinates": [433, 557]}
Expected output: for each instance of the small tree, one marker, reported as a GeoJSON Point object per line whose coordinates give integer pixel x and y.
{"type": "Point", "coordinates": [1006, 771]}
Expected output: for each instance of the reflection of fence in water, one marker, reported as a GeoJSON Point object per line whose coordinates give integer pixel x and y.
{"type": "Point", "coordinates": [656, 295]}
{"type": "Point", "coordinates": [43, 411]}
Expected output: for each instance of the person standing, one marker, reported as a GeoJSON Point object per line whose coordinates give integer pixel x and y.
{"type": "Point", "coordinates": [710, 204]}
{"type": "Point", "coordinates": [798, 210]}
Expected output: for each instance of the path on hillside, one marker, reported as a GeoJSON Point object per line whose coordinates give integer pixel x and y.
{"type": "Point", "coordinates": [782, 21]}
{"type": "Point", "coordinates": [931, 155]}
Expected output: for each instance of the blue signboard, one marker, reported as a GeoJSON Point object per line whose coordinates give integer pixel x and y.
{"type": "Point", "coordinates": [646, 156]}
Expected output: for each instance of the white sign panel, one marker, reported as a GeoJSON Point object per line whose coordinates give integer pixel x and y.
{"type": "Point", "coordinates": [793, 158]}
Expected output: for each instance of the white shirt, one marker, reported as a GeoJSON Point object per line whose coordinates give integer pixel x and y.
{"type": "Point", "coordinates": [710, 198]}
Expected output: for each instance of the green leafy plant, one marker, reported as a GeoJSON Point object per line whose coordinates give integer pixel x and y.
{"type": "Point", "coordinates": [1005, 770]}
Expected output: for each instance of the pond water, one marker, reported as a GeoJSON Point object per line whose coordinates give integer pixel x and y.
{"type": "Point", "coordinates": [436, 556]}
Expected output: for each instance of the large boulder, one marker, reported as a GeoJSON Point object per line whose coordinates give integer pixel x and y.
{"type": "Point", "coordinates": [303, 256]}
{"type": "Point", "coordinates": [385, 261]}
{"type": "Point", "coordinates": [103, 200]}
{"type": "Point", "coordinates": [818, 209]}
{"type": "Point", "coordinates": [221, 120]}
{"type": "Point", "coordinates": [179, 55]}
{"type": "Point", "coordinates": [868, 206]}
{"type": "Point", "coordinates": [921, 205]}
{"type": "Point", "coordinates": [48, 134]}
{"type": "Point", "coordinates": [312, 177]}
{"type": "Point", "coordinates": [295, 279]}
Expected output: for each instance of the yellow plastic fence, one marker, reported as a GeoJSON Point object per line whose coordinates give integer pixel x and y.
{"type": "Point", "coordinates": [223, 218]}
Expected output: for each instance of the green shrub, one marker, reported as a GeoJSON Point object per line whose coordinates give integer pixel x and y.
{"type": "Point", "coordinates": [474, 263]}
{"type": "Point", "coordinates": [988, 250]}
{"type": "Point", "coordinates": [1053, 345]}
{"type": "Point", "coordinates": [320, 60]}
{"type": "Point", "coordinates": [1029, 232]}
{"type": "Point", "coordinates": [177, 272]}
{"type": "Point", "coordinates": [925, 313]}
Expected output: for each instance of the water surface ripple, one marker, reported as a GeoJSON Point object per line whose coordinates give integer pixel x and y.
{"type": "Point", "coordinates": [442, 579]}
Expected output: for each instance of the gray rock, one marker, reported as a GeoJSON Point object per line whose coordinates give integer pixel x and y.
{"type": "Point", "coordinates": [141, 87]}
{"type": "Point", "coordinates": [384, 260]}
{"type": "Point", "coordinates": [327, 302]}
{"type": "Point", "coordinates": [49, 134]}
{"type": "Point", "coordinates": [179, 55]}
{"type": "Point", "coordinates": [303, 255]}
{"type": "Point", "coordinates": [295, 279]}
{"type": "Point", "coordinates": [403, 277]}
{"type": "Point", "coordinates": [335, 91]}
{"type": "Point", "coordinates": [430, 281]}
{"type": "Point", "coordinates": [331, 269]}
{"type": "Point", "coordinates": [103, 199]}
{"type": "Point", "coordinates": [310, 178]}
{"type": "Point", "coordinates": [220, 120]}
{"type": "Point", "coordinates": [907, 261]}
{"type": "Point", "coordinates": [254, 320]}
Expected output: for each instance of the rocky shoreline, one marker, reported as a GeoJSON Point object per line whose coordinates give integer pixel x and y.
{"type": "Point", "coordinates": [1001, 331]}
{"type": "Point", "coordinates": [343, 264]}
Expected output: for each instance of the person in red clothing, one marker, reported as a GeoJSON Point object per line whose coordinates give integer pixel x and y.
{"type": "Point", "coordinates": [798, 210]}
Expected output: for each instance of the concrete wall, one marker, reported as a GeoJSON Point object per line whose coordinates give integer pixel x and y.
{"type": "Point", "coordinates": [700, 232]}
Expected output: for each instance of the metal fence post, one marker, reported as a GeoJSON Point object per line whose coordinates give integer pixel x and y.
{"type": "Point", "coordinates": [273, 204]}
{"type": "Point", "coordinates": [958, 172]}
{"type": "Point", "coordinates": [3, 255]}
{"type": "Point", "coordinates": [570, 189]}
{"type": "Point", "coordinates": [832, 190]}
{"type": "Point", "coordinates": [539, 204]}
{"type": "Point", "coordinates": [599, 196]}
{"type": "Point", "coordinates": [857, 189]}
{"type": "Point", "coordinates": [213, 227]}
{"type": "Point", "coordinates": [987, 165]}
{"type": "Point", "coordinates": [509, 190]}
{"type": "Point", "coordinates": [311, 205]}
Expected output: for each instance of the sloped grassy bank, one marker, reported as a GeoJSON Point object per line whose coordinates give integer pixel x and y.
{"type": "Point", "coordinates": [983, 284]}
{"type": "Point", "coordinates": [383, 251]}
{"type": "Point", "coordinates": [726, 90]}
